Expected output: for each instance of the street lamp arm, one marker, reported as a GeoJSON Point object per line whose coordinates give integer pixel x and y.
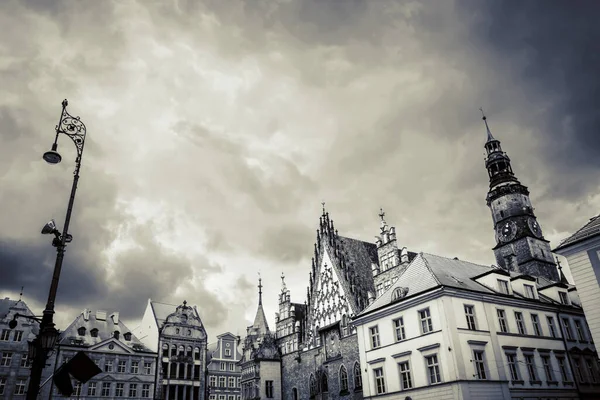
{"type": "Point", "coordinates": [13, 324]}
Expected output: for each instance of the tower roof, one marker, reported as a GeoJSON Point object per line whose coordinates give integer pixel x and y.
{"type": "Point", "coordinates": [260, 325]}
{"type": "Point", "coordinates": [490, 138]}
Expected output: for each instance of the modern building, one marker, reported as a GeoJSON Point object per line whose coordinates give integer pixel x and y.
{"type": "Point", "coordinates": [582, 251]}
{"type": "Point", "coordinates": [223, 370]}
{"type": "Point", "coordinates": [261, 359]}
{"type": "Point", "coordinates": [128, 366]}
{"type": "Point", "coordinates": [178, 335]}
{"type": "Point", "coordinates": [450, 329]}
{"type": "Point", "coordinates": [14, 365]}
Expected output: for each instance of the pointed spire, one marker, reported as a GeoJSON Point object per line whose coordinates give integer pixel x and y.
{"type": "Point", "coordinates": [259, 290]}
{"type": "Point", "coordinates": [563, 279]}
{"type": "Point", "coordinates": [489, 133]}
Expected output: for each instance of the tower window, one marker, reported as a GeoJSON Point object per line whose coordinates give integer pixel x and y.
{"type": "Point", "coordinates": [501, 214]}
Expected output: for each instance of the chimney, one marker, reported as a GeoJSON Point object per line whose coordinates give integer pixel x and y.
{"type": "Point", "coordinates": [86, 314]}
{"type": "Point", "coordinates": [101, 315]}
{"type": "Point", "coordinates": [115, 317]}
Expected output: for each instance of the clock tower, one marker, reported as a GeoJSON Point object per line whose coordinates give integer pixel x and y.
{"type": "Point", "coordinates": [520, 244]}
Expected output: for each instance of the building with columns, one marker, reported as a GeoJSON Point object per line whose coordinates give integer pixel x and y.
{"type": "Point", "coordinates": [177, 334]}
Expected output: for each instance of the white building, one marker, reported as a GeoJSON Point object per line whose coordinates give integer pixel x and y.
{"type": "Point", "coordinates": [450, 329]}
{"type": "Point", "coordinates": [582, 250]}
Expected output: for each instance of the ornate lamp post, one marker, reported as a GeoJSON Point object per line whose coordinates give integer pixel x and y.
{"type": "Point", "coordinates": [48, 335]}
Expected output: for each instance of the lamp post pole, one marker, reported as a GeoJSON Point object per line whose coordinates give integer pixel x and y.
{"type": "Point", "coordinates": [47, 336]}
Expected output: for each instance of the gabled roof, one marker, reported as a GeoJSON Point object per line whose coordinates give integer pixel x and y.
{"type": "Point", "coordinates": [162, 311]}
{"type": "Point", "coordinates": [10, 307]}
{"type": "Point", "coordinates": [589, 230]}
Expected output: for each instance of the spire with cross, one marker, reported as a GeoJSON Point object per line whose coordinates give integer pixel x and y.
{"type": "Point", "coordinates": [259, 289]}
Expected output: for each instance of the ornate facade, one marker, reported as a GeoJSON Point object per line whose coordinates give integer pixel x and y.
{"type": "Point", "coordinates": [224, 373]}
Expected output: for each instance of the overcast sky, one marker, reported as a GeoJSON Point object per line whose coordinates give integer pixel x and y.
{"type": "Point", "coordinates": [216, 128]}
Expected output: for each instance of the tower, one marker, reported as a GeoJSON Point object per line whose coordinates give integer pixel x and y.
{"type": "Point", "coordinates": [520, 244]}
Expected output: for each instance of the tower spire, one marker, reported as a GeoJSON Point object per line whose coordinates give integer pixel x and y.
{"type": "Point", "coordinates": [283, 287]}
{"type": "Point", "coordinates": [21, 294]}
{"type": "Point", "coordinates": [489, 133]}
{"type": "Point", "coordinates": [259, 290]}
{"type": "Point", "coordinates": [563, 279]}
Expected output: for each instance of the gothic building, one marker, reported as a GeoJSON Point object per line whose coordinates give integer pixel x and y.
{"type": "Point", "coordinates": [178, 335]}
{"type": "Point", "coordinates": [261, 359]}
{"type": "Point", "coordinates": [520, 244]}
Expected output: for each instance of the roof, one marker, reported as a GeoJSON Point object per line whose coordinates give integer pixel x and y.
{"type": "Point", "coordinates": [106, 329]}
{"type": "Point", "coordinates": [10, 307]}
{"type": "Point", "coordinates": [591, 229]}
{"type": "Point", "coordinates": [5, 306]}
{"type": "Point", "coordinates": [260, 321]}
{"type": "Point", "coordinates": [162, 311]}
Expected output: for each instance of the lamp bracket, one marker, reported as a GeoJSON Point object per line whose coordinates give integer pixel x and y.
{"type": "Point", "coordinates": [32, 317]}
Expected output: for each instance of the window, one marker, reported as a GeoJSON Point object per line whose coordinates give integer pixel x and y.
{"type": "Point", "coordinates": [122, 366]}
{"type": "Point", "coordinates": [5, 335]}
{"type": "Point", "coordinates": [2, 384]}
{"type": "Point", "coordinates": [405, 378]}
{"type": "Point", "coordinates": [24, 361]}
{"type": "Point", "coordinates": [20, 386]}
{"type": "Point", "coordinates": [18, 336]}
{"type": "Point", "coordinates": [294, 394]}
{"type": "Point", "coordinates": [239, 382]}
{"type": "Point", "coordinates": [269, 389]}
{"type": "Point", "coordinates": [502, 286]}
{"type": "Point", "coordinates": [530, 363]}
{"type": "Point", "coordinates": [567, 328]}
{"type": "Point", "coordinates": [119, 390]}
{"type": "Point", "coordinates": [181, 351]}
{"type": "Point", "coordinates": [379, 380]}
{"type": "Point", "coordinates": [426, 325]}
{"type": "Point", "coordinates": [116, 334]}
{"type": "Point", "coordinates": [133, 390]}
{"type": "Point", "coordinates": [529, 293]}
{"type": "Point", "coordinates": [228, 352]}
{"type": "Point", "coordinates": [213, 381]}
{"type": "Point", "coordinates": [564, 298]}
{"type": "Point", "coordinates": [548, 368]}
{"type": "Point", "coordinates": [513, 367]}
{"type": "Point", "coordinates": [520, 323]}
{"type": "Point", "coordinates": [135, 367]}
{"type": "Point", "coordinates": [76, 389]}
{"type": "Point", "coordinates": [399, 328]}
{"type": "Point", "coordinates": [196, 353]}
{"type": "Point", "coordinates": [357, 377]}
{"type": "Point", "coordinates": [165, 350]}
{"type": "Point", "coordinates": [578, 370]}
{"type": "Point", "coordinates": [105, 389]}
{"type": "Point", "coordinates": [230, 397]}
{"type": "Point", "coordinates": [374, 331]}
{"type": "Point", "coordinates": [591, 370]}
{"type": "Point", "coordinates": [502, 321]}
{"type": "Point", "coordinates": [379, 289]}
{"type": "Point", "coordinates": [91, 389]}
{"type": "Point", "coordinates": [433, 369]}
{"type": "Point", "coordinates": [343, 379]}
{"type": "Point", "coordinates": [223, 366]}
{"type": "Point", "coordinates": [5, 361]}
{"type": "Point", "coordinates": [146, 390]}
{"type": "Point", "coordinates": [94, 332]}
{"type": "Point", "coordinates": [564, 372]}
{"type": "Point", "coordinates": [222, 381]}
{"type": "Point", "coordinates": [147, 368]}
{"type": "Point", "coordinates": [470, 314]}
{"type": "Point", "coordinates": [579, 329]}
{"type": "Point", "coordinates": [535, 321]}
{"type": "Point", "coordinates": [127, 336]}
{"type": "Point", "coordinates": [108, 366]}
{"type": "Point", "coordinates": [81, 331]}
{"type": "Point", "coordinates": [312, 384]}
{"type": "Point", "coordinates": [551, 326]}
{"type": "Point", "coordinates": [231, 382]}
{"type": "Point", "coordinates": [231, 366]}
{"type": "Point", "coordinates": [479, 363]}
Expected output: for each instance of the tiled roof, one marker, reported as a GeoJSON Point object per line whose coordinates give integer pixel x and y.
{"type": "Point", "coordinates": [106, 329]}
{"type": "Point", "coordinates": [260, 321]}
{"type": "Point", "coordinates": [162, 311]}
{"type": "Point", "coordinates": [591, 229]}
{"type": "Point", "coordinates": [360, 255]}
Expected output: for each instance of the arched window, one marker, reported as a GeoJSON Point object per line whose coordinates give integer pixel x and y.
{"type": "Point", "coordinates": [343, 379]}
{"type": "Point", "coordinates": [181, 351]}
{"type": "Point", "coordinates": [165, 350]}
{"type": "Point", "coordinates": [313, 385]}
{"type": "Point", "coordinates": [173, 350]}
{"type": "Point", "coordinates": [188, 351]}
{"type": "Point", "coordinates": [324, 385]}
{"type": "Point", "coordinates": [196, 353]}
{"type": "Point", "coordinates": [294, 394]}
{"type": "Point", "coordinates": [357, 377]}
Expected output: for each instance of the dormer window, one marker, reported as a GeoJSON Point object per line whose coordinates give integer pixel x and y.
{"type": "Point", "coordinates": [81, 331]}
{"type": "Point", "coordinates": [503, 286]}
{"type": "Point", "coordinates": [564, 298]}
{"type": "Point", "coordinates": [116, 335]}
{"type": "Point", "coordinates": [94, 332]}
{"type": "Point", "coordinates": [529, 293]}
{"type": "Point", "coordinates": [127, 336]}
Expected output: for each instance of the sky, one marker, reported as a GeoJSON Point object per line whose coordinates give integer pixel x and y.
{"type": "Point", "coordinates": [216, 128]}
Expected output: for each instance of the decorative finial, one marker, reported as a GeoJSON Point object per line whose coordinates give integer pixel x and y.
{"type": "Point", "coordinates": [323, 204]}
{"type": "Point", "coordinates": [21, 294]}
{"type": "Point", "coordinates": [381, 214]}
{"type": "Point", "coordinates": [65, 103]}
{"type": "Point", "coordinates": [259, 289]}
{"type": "Point", "coordinates": [185, 303]}
{"type": "Point", "coordinates": [482, 113]}
{"type": "Point", "coordinates": [283, 282]}
{"type": "Point", "coordinates": [484, 118]}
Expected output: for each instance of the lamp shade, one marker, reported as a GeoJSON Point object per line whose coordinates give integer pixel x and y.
{"type": "Point", "coordinates": [48, 337]}
{"type": "Point", "coordinates": [52, 157]}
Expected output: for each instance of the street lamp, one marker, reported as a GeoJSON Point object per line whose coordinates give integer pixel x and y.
{"type": "Point", "coordinates": [48, 335]}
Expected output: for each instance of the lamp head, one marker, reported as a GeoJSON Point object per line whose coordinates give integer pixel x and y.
{"type": "Point", "coordinates": [52, 156]}
{"type": "Point", "coordinates": [12, 324]}
{"type": "Point", "coordinates": [50, 227]}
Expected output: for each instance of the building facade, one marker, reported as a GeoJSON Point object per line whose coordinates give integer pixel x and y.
{"type": "Point", "coordinates": [224, 372]}
{"type": "Point", "coordinates": [582, 251]}
{"type": "Point", "coordinates": [128, 367]}
{"type": "Point", "coordinates": [14, 365]}
{"type": "Point", "coordinates": [178, 335]}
